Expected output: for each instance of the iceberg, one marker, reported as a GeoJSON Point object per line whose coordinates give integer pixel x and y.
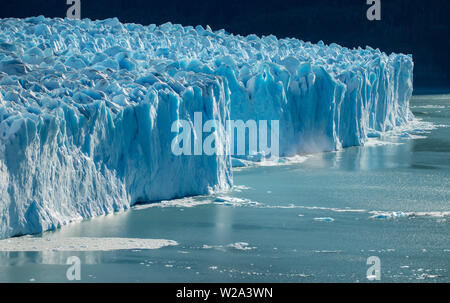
{"type": "Point", "coordinates": [86, 109]}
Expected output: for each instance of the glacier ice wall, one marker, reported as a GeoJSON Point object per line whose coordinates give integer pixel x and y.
{"type": "Point", "coordinates": [86, 109]}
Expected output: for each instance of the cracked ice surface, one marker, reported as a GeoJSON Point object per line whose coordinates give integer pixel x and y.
{"type": "Point", "coordinates": [86, 109]}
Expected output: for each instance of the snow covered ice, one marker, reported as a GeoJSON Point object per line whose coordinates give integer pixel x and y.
{"type": "Point", "coordinates": [86, 109]}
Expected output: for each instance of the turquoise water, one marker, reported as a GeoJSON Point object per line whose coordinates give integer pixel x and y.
{"type": "Point", "coordinates": [312, 221]}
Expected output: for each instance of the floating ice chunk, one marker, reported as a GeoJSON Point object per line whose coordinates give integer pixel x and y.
{"type": "Point", "coordinates": [388, 215]}
{"type": "Point", "coordinates": [326, 219]}
{"type": "Point", "coordinates": [238, 246]}
{"type": "Point", "coordinates": [241, 246]}
{"type": "Point", "coordinates": [239, 188]}
{"type": "Point", "coordinates": [233, 201]}
{"type": "Point", "coordinates": [81, 244]}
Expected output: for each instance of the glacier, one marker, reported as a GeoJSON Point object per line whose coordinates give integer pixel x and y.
{"type": "Point", "coordinates": [86, 109]}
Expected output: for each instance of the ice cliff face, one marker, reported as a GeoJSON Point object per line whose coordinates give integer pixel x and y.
{"type": "Point", "coordinates": [86, 109]}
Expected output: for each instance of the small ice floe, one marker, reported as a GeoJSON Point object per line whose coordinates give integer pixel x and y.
{"type": "Point", "coordinates": [388, 215]}
{"type": "Point", "coordinates": [326, 219]}
{"type": "Point", "coordinates": [29, 243]}
{"type": "Point", "coordinates": [237, 246]}
{"type": "Point", "coordinates": [239, 188]}
{"type": "Point", "coordinates": [216, 247]}
{"type": "Point", "coordinates": [400, 214]}
{"type": "Point", "coordinates": [241, 246]}
{"type": "Point", "coordinates": [233, 201]}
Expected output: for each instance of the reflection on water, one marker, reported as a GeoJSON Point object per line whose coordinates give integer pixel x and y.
{"type": "Point", "coordinates": [384, 155]}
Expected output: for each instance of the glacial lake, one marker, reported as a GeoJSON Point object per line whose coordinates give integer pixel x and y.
{"type": "Point", "coordinates": [315, 220]}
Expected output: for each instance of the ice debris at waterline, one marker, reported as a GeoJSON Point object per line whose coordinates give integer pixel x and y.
{"type": "Point", "coordinates": [81, 244]}
{"type": "Point", "coordinates": [86, 109]}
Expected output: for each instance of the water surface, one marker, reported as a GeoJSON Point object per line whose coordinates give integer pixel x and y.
{"type": "Point", "coordinates": [315, 221]}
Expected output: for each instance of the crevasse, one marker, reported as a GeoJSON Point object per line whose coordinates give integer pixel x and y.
{"type": "Point", "coordinates": [86, 109]}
